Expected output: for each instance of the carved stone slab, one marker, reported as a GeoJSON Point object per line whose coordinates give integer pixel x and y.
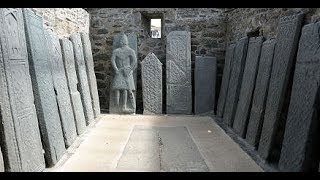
{"type": "Point", "coordinates": [297, 153]}
{"type": "Point", "coordinates": [90, 73]}
{"type": "Point", "coordinates": [151, 74]}
{"type": "Point", "coordinates": [248, 82]}
{"type": "Point", "coordinates": [1, 162]}
{"type": "Point", "coordinates": [225, 80]}
{"type": "Point", "coordinates": [21, 141]}
{"type": "Point", "coordinates": [69, 64]}
{"type": "Point", "coordinates": [235, 80]}
{"type": "Point", "coordinates": [260, 93]}
{"type": "Point", "coordinates": [205, 84]}
{"type": "Point", "coordinates": [287, 42]}
{"type": "Point", "coordinates": [82, 77]}
{"type": "Point", "coordinates": [132, 38]}
{"type": "Point", "coordinates": [178, 67]}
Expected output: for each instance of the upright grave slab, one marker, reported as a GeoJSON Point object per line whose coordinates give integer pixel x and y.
{"type": "Point", "coordinates": [205, 84]}
{"type": "Point", "coordinates": [235, 80]}
{"type": "Point", "coordinates": [225, 80]}
{"type": "Point", "coordinates": [260, 93]}
{"type": "Point", "coordinates": [300, 137]}
{"type": "Point", "coordinates": [287, 42]}
{"type": "Point", "coordinates": [21, 141]}
{"type": "Point", "coordinates": [69, 65]}
{"type": "Point", "coordinates": [179, 88]}
{"type": "Point", "coordinates": [151, 74]}
{"type": "Point", "coordinates": [247, 86]}
{"type": "Point", "coordinates": [82, 77]}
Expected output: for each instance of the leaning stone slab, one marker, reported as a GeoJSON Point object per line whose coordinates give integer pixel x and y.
{"type": "Point", "coordinates": [287, 42]}
{"type": "Point", "coordinates": [225, 80]}
{"type": "Point", "coordinates": [69, 65]}
{"type": "Point", "coordinates": [235, 80]}
{"type": "Point", "coordinates": [82, 77]}
{"type": "Point", "coordinates": [179, 89]}
{"type": "Point", "coordinates": [90, 73]}
{"type": "Point", "coordinates": [260, 93]}
{"type": "Point", "coordinates": [247, 86]}
{"type": "Point", "coordinates": [205, 74]}
{"type": "Point", "coordinates": [20, 135]}
{"type": "Point", "coordinates": [1, 162]}
{"type": "Point", "coordinates": [151, 74]}
{"type": "Point", "coordinates": [300, 137]}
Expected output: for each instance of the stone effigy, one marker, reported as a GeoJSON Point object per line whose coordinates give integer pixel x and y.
{"type": "Point", "coordinates": [204, 84]}
{"type": "Point", "coordinates": [287, 41]}
{"type": "Point", "coordinates": [178, 67]}
{"type": "Point", "coordinates": [92, 81]}
{"type": "Point", "coordinates": [300, 138]}
{"type": "Point", "coordinates": [21, 142]}
{"type": "Point", "coordinates": [151, 74]}
{"type": "Point", "coordinates": [225, 80]}
{"type": "Point", "coordinates": [235, 80]}
{"type": "Point", "coordinates": [83, 85]}
{"type": "Point", "coordinates": [1, 162]}
{"type": "Point", "coordinates": [247, 86]}
{"type": "Point", "coordinates": [260, 93]}
{"type": "Point", "coordinates": [69, 64]}
{"type": "Point", "coordinates": [124, 63]}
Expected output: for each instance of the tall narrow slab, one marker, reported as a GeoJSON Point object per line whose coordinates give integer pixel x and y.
{"type": "Point", "coordinates": [205, 84]}
{"type": "Point", "coordinates": [1, 162]}
{"type": "Point", "coordinates": [92, 81]}
{"type": "Point", "coordinates": [151, 74]}
{"type": "Point", "coordinates": [248, 82]}
{"type": "Point", "coordinates": [132, 39]}
{"type": "Point", "coordinates": [260, 93]}
{"type": "Point", "coordinates": [70, 68]}
{"type": "Point", "coordinates": [298, 151]}
{"type": "Point", "coordinates": [43, 88]}
{"type": "Point", "coordinates": [235, 80]}
{"type": "Point", "coordinates": [179, 89]}
{"type": "Point", "coordinates": [82, 77]}
{"type": "Point", "coordinates": [225, 80]}
{"type": "Point", "coordinates": [287, 42]}
{"type": "Point", "coordinates": [20, 134]}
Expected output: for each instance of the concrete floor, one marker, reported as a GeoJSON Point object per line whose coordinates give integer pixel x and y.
{"type": "Point", "coordinates": [129, 143]}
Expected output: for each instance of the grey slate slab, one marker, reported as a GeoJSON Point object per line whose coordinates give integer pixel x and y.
{"type": "Point", "coordinates": [178, 72]}
{"type": "Point", "coordinates": [287, 42]}
{"type": "Point", "coordinates": [225, 80]}
{"type": "Point", "coordinates": [21, 142]}
{"type": "Point", "coordinates": [247, 86]}
{"type": "Point", "coordinates": [1, 162]}
{"type": "Point", "coordinates": [235, 81]}
{"type": "Point", "coordinates": [300, 137]}
{"type": "Point", "coordinates": [90, 73]}
{"type": "Point", "coordinates": [72, 79]}
{"type": "Point", "coordinates": [260, 93]}
{"type": "Point", "coordinates": [205, 75]}
{"type": "Point", "coordinates": [151, 74]}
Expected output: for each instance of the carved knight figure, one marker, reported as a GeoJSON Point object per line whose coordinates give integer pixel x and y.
{"type": "Point", "coordinates": [124, 63]}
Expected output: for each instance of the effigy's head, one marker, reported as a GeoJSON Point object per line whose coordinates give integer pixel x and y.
{"type": "Point", "coordinates": [123, 40]}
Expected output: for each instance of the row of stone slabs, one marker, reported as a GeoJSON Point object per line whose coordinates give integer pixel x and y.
{"type": "Point", "coordinates": [41, 109]}
{"type": "Point", "coordinates": [255, 86]}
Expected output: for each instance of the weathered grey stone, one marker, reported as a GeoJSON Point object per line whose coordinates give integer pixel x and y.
{"type": "Point", "coordinates": [205, 75]}
{"type": "Point", "coordinates": [247, 86]}
{"type": "Point", "coordinates": [300, 137]}
{"type": "Point", "coordinates": [284, 53]}
{"type": "Point", "coordinates": [234, 86]}
{"type": "Point", "coordinates": [151, 74]}
{"type": "Point", "coordinates": [20, 135]}
{"type": "Point", "coordinates": [69, 64]}
{"type": "Point", "coordinates": [61, 88]}
{"type": "Point", "coordinates": [179, 89]}
{"type": "Point", "coordinates": [43, 88]}
{"type": "Point", "coordinates": [1, 161]}
{"type": "Point", "coordinates": [260, 93]}
{"type": "Point", "coordinates": [92, 81]}
{"type": "Point", "coordinates": [132, 44]}
{"type": "Point", "coordinates": [83, 86]}
{"type": "Point", "coordinates": [225, 80]}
